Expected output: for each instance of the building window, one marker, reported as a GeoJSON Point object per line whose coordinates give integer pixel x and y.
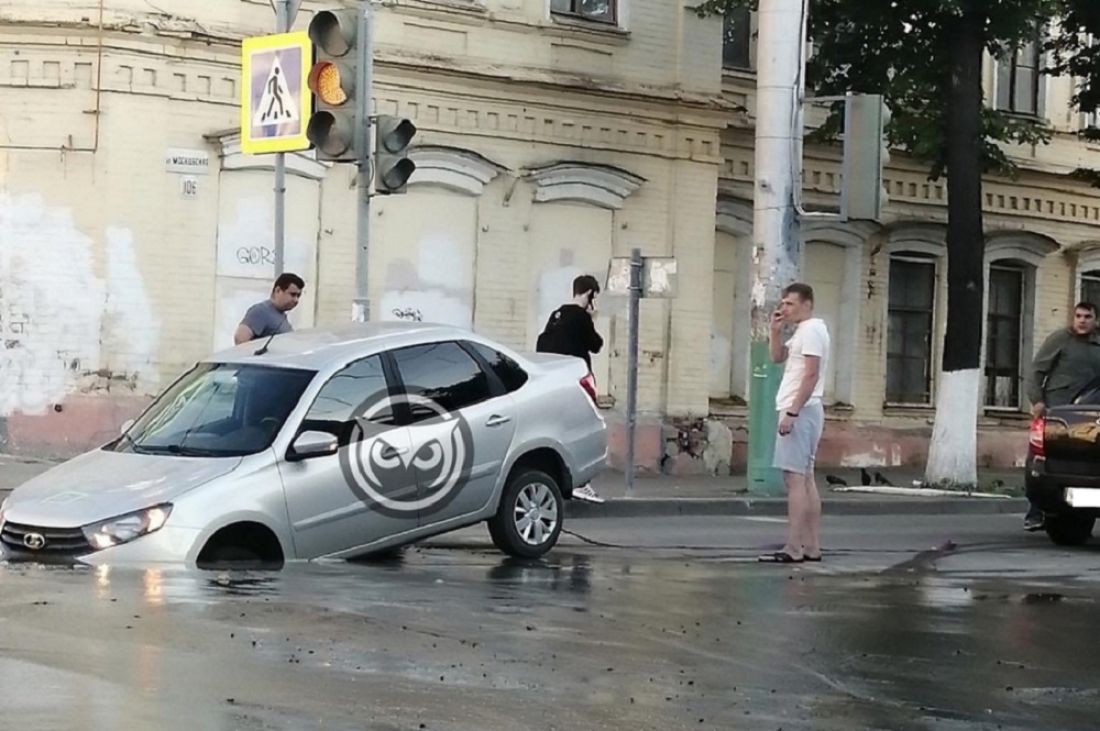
{"type": "Point", "coordinates": [1018, 75]}
{"type": "Point", "coordinates": [737, 39]}
{"type": "Point", "coordinates": [1004, 336]}
{"type": "Point", "coordinates": [603, 11]}
{"type": "Point", "coordinates": [1090, 287]}
{"type": "Point", "coordinates": [911, 318]}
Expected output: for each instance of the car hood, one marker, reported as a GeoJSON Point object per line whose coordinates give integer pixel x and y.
{"type": "Point", "coordinates": [100, 485]}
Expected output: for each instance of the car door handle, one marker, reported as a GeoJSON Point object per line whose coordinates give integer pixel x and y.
{"type": "Point", "coordinates": [389, 452]}
{"type": "Point", "coordinates": [497, 420]}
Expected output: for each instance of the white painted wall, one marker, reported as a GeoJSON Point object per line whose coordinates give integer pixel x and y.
{"type": "Point", "coordinates": [246, 247]}
{"type": "Point", "coordinates": [422, 257]}
{"type": "Point", "coordinates": [64, 315]}
{"type": "Point", "coordinates": [824, 271]}
{"type": "Point", "coordinates": [568, 240]}
{"type": "Point", "coordinates": [722, 321]}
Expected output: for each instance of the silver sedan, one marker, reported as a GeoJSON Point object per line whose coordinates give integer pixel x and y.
{"type": "Point", "coordinates": [326, 443]}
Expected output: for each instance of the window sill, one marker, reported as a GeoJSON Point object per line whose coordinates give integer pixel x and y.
{"type": "Point", "coordinates": [594, 29]}
{"type": "Point", "coordinates": [732, 72]}
{"type": "Point", "coordinates": [1005, 414]}
{"type": "Point", "coordinates": [472, 8]}
{"type": "Point", "coordinates": [921, 410]}
{"type": "Point", "coordinates": [733, 407]}
{"type": "Point", "coordinates": [1025, 117]}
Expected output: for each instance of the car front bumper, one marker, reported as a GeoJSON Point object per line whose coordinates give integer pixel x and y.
{"type": "Point", "coordinates": [170, 544]}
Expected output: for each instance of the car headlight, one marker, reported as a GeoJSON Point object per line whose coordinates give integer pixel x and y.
{"type": "Point", "coordinates": [127, 527]}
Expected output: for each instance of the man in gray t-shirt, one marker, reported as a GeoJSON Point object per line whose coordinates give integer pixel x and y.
{"type": "Point", "coordinates": [268, 318]}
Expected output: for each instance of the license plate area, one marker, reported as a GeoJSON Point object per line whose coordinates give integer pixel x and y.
{"type": "Point", "coordinates": [1083, 497]}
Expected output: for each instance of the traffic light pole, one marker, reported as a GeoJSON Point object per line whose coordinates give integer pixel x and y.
{"type": "Point", "coordinates": [776, 241]}
{"type": "Point", "coordinates": [365, 82]}
{"type": "Point", "coordinates": [282, 25]}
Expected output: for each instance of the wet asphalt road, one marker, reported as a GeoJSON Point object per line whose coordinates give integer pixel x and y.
{"type": "Point", "coordinates": [931, 622]}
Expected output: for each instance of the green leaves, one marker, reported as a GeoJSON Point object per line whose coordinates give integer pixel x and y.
{"type": "Point", "coordinates": [899, 48]}
{"type": "Point", "coordinates": [1076, 52]}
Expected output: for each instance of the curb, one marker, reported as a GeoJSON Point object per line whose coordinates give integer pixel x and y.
{"type": "Point", "coordinates": [672, 507]}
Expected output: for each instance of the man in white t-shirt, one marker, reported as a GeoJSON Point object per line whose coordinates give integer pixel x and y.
{"type": "Point", "coordinates": [801, 419]}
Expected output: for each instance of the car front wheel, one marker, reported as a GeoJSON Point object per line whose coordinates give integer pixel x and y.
{"type": "Point", "coordinates": [528, 521]}
{"type": "Point", "coordinates": [1069, 529]}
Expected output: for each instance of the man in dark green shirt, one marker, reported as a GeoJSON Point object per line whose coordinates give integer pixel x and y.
{"type": "Point", "coordinates": [1068, 361]}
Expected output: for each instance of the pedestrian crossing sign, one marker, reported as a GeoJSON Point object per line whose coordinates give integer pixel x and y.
{"type": "Point", "coordinates": [275, 98]}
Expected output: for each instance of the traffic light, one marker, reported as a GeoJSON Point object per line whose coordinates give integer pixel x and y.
{"type": "Point", "coordinates": [866, 155]}
{"type": "Point", "coordinates": [392, 166]}
{"type": "Point", "coordinates": [335, 129]}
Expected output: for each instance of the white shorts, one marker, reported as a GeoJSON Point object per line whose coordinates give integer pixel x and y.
{"type": "Point", "coordinates": [797, 451]}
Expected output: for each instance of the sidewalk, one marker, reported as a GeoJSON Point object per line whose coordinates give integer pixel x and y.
{"type": "Point", "coordinates": [672, 496]}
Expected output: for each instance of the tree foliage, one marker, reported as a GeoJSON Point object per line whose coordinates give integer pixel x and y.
{"type": "Point", "coordinates": [900, 48]}
{"type": "Point", "coordinates": [1075, 52]}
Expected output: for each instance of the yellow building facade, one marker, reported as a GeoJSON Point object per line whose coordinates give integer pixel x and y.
{"type": "Point", "coordinates": [553, 135]}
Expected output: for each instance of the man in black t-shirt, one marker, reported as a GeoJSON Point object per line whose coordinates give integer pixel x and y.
{"type": "Point", "coordinates": [571, 330]}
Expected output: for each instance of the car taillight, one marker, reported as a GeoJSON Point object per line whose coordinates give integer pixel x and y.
{"type": "Point", "coordinates": [1037, 441]}
{"type": "Point", "coordinates": [588, 383]}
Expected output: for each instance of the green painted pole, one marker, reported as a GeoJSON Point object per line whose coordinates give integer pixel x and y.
{"type": "Point", "coordinates": [763, 423]}
{"type": "Point", "coordinates": [777, 245]}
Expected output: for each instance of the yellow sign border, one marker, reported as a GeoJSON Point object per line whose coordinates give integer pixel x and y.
{"type": "Point", "coordinates": [262, 145]}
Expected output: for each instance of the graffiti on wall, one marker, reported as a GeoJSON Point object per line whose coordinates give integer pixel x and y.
{"type": "Point", "coordinates": [246, 258]}
{"type": "Point", "coordinates": [67, 324]}
{"type": "Point", "coordinates": [245, 241]}
{"type": "Point", "coordinates": [435, 287]}
{"type": "Point", "coordinates": [410, 314]}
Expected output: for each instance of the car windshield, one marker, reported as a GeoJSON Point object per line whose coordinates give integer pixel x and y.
{"type": "Point", "coordinates": [217, 410]}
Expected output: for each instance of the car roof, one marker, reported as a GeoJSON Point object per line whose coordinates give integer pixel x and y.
{"type": "Point", "coordinates": [322, 347]}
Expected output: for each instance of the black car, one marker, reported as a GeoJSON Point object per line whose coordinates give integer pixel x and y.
{"type": "Point", "coordinates": [1063, 467]}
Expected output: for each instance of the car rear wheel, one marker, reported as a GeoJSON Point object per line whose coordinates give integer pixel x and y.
{"type": "Point", "coordinates": [528, 521]}
{"type": "Point", "coordinates": [1069, 529]}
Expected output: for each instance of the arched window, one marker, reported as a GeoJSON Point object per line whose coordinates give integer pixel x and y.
{"type": "Point", "coordinates": [1088, 274]}
{"type": "Point", "coordinates": [1012, 261]}
{"type": "Point", "coordinates": [918, 255]}
{"type": "Point", "coordinates": [832, 263]}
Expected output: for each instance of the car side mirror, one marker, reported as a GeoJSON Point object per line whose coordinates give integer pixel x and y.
{"type": "Point", "coordinates": [125, 426]}
{"type": "Point", "coordinates": [311, 444]}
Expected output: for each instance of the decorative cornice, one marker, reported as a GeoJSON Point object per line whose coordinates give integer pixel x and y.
{"type": "Point", "coordinates": [911, 193]}
{"type": "Point", "coordinates": [922, 238]}
{"type": "Point", "coordinates": [735, 217]}
{"type": "Point", "coordinates": [1024, 246]}
{"type": "Point", "coordinates": [302, 164]}
{"type": "Point", "coordinates": [853, 234]}
{"type": "Point", "coordinates": [601, 185]}
{"type": "Point", "coordinates": [454, 168]}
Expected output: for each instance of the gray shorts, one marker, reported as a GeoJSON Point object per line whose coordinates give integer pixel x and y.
{"type": "Point", "coordinates": [797, 451]}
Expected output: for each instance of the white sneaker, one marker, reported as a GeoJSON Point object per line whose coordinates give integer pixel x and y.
{"type": "Point", "coordinates": [587, 494]}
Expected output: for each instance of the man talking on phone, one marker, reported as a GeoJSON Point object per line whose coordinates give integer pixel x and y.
{"type": "Point", "coordinates": [801, 419]}
{"type": "Point", "coordinates": [571, 330]}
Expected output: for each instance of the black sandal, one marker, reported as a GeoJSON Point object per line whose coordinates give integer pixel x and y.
{"type": "Point", "coordinates": [779, 557]}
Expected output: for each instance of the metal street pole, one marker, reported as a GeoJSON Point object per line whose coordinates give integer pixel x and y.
{"type": "Point", "coordinates": [365, 86]}
{"type": "Point", "coordinates": [776, 242]}
{"type": "Point", "coordinates": [282, 25]}
{"type": "Point", "coordinates": [636, 265]}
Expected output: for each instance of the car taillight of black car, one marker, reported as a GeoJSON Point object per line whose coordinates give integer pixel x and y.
{"type": "Point", "coordinates": [1037, 438]}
